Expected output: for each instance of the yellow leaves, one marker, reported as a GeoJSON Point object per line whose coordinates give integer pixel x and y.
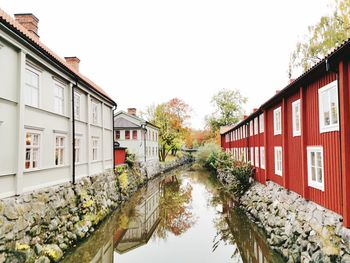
{"type": "Point", "coordinates": [20, 246]}
{"type": "Point", "coordinates": [123, 180]}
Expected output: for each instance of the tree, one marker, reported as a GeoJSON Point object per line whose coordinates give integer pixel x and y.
{"type": "Point", "coordinates": [228, 109]}
{"type": "Point", "coordinates": [322, 38]}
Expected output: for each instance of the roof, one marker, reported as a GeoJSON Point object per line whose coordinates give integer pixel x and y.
{"type": "Point", "coordinates": [124, 123]}
{"type": "Point", "coordinates": [322, 66]}
{"type": "Point", "coordinates": [16, 27]}
{"type": "Point", "coordinates": [134, 117]}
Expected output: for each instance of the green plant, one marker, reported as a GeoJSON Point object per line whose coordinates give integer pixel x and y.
{"type": "Point", "coordinates": [204, 153]}
{"type": "Point", "coordinates": [130, 159]}
{"type": "Point", "coordinates": [241, 178]}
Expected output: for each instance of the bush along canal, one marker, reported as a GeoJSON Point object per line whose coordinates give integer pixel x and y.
{"type": "Point", "coordinates": [181, 216]}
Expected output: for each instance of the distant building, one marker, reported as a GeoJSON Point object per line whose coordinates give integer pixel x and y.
{"type": "Point", "coordinates": [55, 124]}
{"type": "Point", "coordinates": [140, 137]}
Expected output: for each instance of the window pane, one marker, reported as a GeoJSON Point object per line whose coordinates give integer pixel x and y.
{"type": "Point", "coordinates": [313, 173]}
{"type": "Point", "coordinates": [35, 158]}
{"type": "Point", "coordinates": [319, 159]}
{"type": "Point", "coordinates": [313, 162]}
{"type": "Point", "coordinates": [325, 108]}
{"type": "Point", "coordinates": [56, 156]}
{"type": "Point", "coordinates": [334, 106]}
{"type": "Point", "coordinates": [28, 139]}
{"type": "Point", "coordinates": [319, 175]}
{"type": "Point", "coordinates": [61, 156]}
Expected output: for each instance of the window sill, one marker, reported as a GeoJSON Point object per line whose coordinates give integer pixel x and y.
{"type": "Point", "coordinates": [296, 134]}
{"type": "Point", "coordinates": [316, 186]}
{"type": "Point", "coordinates": [44, 169]}
{"type": "Point", "coordinates": [278, 173]}
{"type": "Point", "coordinates": [277, 133]}
{"type": "Point", "coordinates": [46, 111]}
{"type": "Point", "coordinates": [329, 128]}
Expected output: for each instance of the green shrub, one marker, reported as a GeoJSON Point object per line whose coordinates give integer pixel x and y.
{"type": "Point", "coordinates": [205, 151]}
{"type": "Point", "coordinates": [130, 159]}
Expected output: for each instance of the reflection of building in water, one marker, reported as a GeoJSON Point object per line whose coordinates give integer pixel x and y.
{"type": "Point", "coordinates": [143, 224]}
{"type": "Point", "coordinates": [104, 254]}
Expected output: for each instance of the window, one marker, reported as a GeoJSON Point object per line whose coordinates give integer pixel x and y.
{"type": "Point", "coordinates": [32, 150]}
{"type": "Point", "coordinates": [244, 132]}
{"type": "Point", "coordinates": [328, 107]}
{"type": "Point", "coordinates": [262, 157]}
{"type": "Point", "coordinates": [315, 167]}
{"type": "Point", "coordinates": [58, 98]}
{"type": "Point", "coordinates": [117, 135]}
{"type": "Point", "coordinates": [252, 155]}
{"type": "Point", "coordinates": [59, 150]}
{"type": "Point", "coordinates": [296, 118]}
{"type": "Point", "coordinates": [277, 122]}
{"type": "Point", "coordinates": [256, 157]}
{"type": "Point", "coordinates": [77, 105]}
{"type": "Point", "coordinates": [77, 149]}
{"type": "Point", "coordinates": [94, 109]}
{"type": "Point", "coordinates": [94, 149]}
{"type": "Point", "coordinates": [127, 135]}
{"type": "Point", "coordinates": [278, 160]}
{"type": "Point", "coordinates": [261, 122]}
{"type": "Point", "coordinates": [134, 135]}
{"type": "Point", "coordinates": [256, 126]}
{"type": "Point", "coordinates": [251, 128]}
{"type": "Point", "coordinates": [32, 87]}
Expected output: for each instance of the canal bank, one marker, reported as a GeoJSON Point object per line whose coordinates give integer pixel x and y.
{"type": "Point", "coordinates": [40, 226]}
{"type": "Point", "coordinates": [300, 230]}
{"type": "Point", "coordinates": [181, 216]}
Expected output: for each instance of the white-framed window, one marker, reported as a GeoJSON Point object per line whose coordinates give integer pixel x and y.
{"type": "Point", "coordinates": [251, 128]}
{"type": "Point", "coordinates": [315, 167]}
{"type": "Point", "coordinates": [32, 86]}
{"type": "Point", "coordinates": [256, 157]}
{"type": "Point", "coordinates": [251, 155]}
{"type": "Point", "coordinates": [244, 135]}
{"type": "Point", "coordinates": [77, 107]}
{"type": "Point", "coordinates": [261, 122]}
{"type": "Point", "coordinates": [328, 107]}
{"type": "Point", "coordinates": [256, 126]}
{"type": "Point", "coordinates": [278, 160]}
{"type": "Point", "coordinates": [262, 157]}
{"type": "Point", "coordinates": [58, 105]}
{"type": "Point", "coordinates": [77, 145]}
{"type": "Point", "coordinates": [94, 111]}
{"type": "Point", "coordinates": [59, 150]}
{"type": "Point", "coordinates": [277, 121]}
{"type": "Point", "coordinates": [296, 118]}
{"type": "Point", "coordinates": [95, 147]}
{"type": "Point", "coordinates": [32, 150]}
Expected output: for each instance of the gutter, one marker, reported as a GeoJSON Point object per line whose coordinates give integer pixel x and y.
{"type": "Point", "coordinates": [113, 132]}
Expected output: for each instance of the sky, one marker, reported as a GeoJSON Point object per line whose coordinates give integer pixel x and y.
{"type": "Point", "coordinates": [144, 52]}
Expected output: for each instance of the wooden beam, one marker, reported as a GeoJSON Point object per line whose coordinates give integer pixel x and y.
{"type": "Point", "coordinates": [305, 187]}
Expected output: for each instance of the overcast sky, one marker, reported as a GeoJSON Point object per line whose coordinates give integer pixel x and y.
{"type": "Point", "coordinates": [149, 51]}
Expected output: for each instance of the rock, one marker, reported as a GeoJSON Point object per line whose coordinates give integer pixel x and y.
{"type": "Point", "coordinates": [42, 259]}
{"type": "Point", "coordinates": [305, 257]}
{"type": "Point", "coordinates": [53, 252]}
{"type": "Point", "coordinates": [345, 258]}
{"type": "Point", "coordinates": [10, 211]}
{"type": "Point", "coordinates": [2, 256]}
{"type": "Point", "coordinates": [330, 250]}
{"type": "Point", "coordinates": [317, 256]}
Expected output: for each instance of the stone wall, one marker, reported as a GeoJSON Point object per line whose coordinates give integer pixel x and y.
{"type": "Point", "coordinates": [300, 230]}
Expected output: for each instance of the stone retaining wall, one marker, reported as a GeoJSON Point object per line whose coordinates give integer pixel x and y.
{"type": "Point", "coordinates": [41, 226]}
{"type": "Point", "coordinates": [300, 230]}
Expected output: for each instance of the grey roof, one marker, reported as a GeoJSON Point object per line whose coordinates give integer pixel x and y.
{"type": "Point", "coordinates": [124, 123]}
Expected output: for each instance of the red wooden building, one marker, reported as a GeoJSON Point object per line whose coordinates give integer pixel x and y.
{"type": "Point", "coordinates": [300, 138]}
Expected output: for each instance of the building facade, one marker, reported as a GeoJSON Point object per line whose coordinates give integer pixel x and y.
{"type": "Point", "coordinates": [300, 138]}
{"type": "Point", "coordinates": [55, 124]}
{"type": "Point", "coordinates": [137, 135]}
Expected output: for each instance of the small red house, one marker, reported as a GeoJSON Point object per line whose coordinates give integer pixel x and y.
{"type": "Point", "coordinates": [300, 138]}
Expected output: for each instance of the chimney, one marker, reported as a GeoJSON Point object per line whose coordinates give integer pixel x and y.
{"type": "Point", "coordinates": [29, 21]}
{"type": "Point", "coordinates": [245, 116]}
{"type": "Point", "coordinates": [73, 61]}
{"type": "Point", "coordinates": [255, 109]}
{"type": "Point", "coordinates": [132, 111]}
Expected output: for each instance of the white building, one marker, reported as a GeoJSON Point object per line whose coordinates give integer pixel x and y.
{"type": "Point", "coordinates": [137, 135]}
{"type": "Point", "coordinates": [39, 95]}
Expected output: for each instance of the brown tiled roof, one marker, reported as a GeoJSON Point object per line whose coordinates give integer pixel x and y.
{"type": "Point", "coordinates": [14, 25]}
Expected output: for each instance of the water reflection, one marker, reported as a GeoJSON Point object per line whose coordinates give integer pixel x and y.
{"type": "Point", "coordinates": [181, 217]}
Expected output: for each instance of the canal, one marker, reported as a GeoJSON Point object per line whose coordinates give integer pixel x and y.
{"type": "Point", "coordinates": [179, 217]}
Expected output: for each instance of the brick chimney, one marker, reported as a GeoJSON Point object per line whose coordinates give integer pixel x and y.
{"type": "Point", "coordinates": [132, 111]}
{"type": "Point", "coordinates": [245, 116]}
{"type": "Point", "coordinates": [29, 21]}
{"type": "Point", "coordinates": [73, 61]}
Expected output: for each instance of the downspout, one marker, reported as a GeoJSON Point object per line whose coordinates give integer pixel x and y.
{"type": "Point", "coordinates": [113, 134]}
{"type": "Point", "coordinates": [144, 144]}
{"type": "Point", "coordinates": [73, 131]}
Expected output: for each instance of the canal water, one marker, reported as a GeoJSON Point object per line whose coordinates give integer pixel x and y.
{"type": "Point", "coordinates": [182, 216]}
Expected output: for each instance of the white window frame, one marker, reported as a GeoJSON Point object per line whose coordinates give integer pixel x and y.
{"type": "Point", "coordinates": [95, 143]}
{"type": "Point", "coordinates": [261, 122]}
{"type": "Point", "coordinates": [262, 157]}
{"type": "Point", "coordinates": [277, 122]}
{"type": "Point", "coordinates": [77, 149]}
{"type": "Point", "coordinates": [327, 89]}
{"type": "Point", "coordinates": [256, 126]}
{"type": "Point", "coordinates": [94, 112]}
{"type": "Point", "coordinates": [32, 148]}
{"type": "Point", "coordinates": [59, 101]}
{"type": "Point", "coordinates": [251, 128]}
{"type": "Point", "coordinates": [257, 157]}
{"type": "Point", "coordinates": [295, 107]}
{"type": "Point", "coordinates": [311, 182]}
{"type": "Point", "coordinates": [252, 155]}
{"type": "Point", "coordinates": [278, 162]}
{"type": "Point", "coordinates": [29, 88]}
{"type": "Point", "coordinates": [77, 105]}
{"type": "Point", "coordinates": [59, 148]}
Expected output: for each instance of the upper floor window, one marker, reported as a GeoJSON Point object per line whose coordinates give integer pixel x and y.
{"type": "Point", "coordinates": [328, 107]}
{"type": "Point", "coordinates": [315, 167]}
{"type": "Point", "coordinates": [94, 110]}
{"type": "Point", "coordinates": [59, 150]}
{"type": "Point", "coordinates": [278, 160]}
{"type": "Point", "coordinates": [296, 118]}
{"type": "Point", "coordinates": [256, 126]}
{"type": "Point", "coordinates": [251, 128]}
{"type": "Point", "coordinates": [261, 122]}
{"type": "Point", "coordinates": [134, 135]}
{"type": "Point", "coordinates": [58, 98]}
{"type": "Point", "coordinates": [251, 155]}
{"type": "Point", "coordinates": [277, 121]}
{"type": "Point", "coordinates": [127, 135]}
{"type": "Point", "coordinates": [77, 107]}
{"type": "Point", "coordinates": [32, 82]}
{"type": "Point", "coordinates": [77, 149]}
{"type": "Point", "coordinates": [32, 150]}
{"type": "Point", "coordinates": [95, 147]}
{"type": "Point", "coordinates": [262, 157]}
{"type": "Point", "coordinates": [117, 135]}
